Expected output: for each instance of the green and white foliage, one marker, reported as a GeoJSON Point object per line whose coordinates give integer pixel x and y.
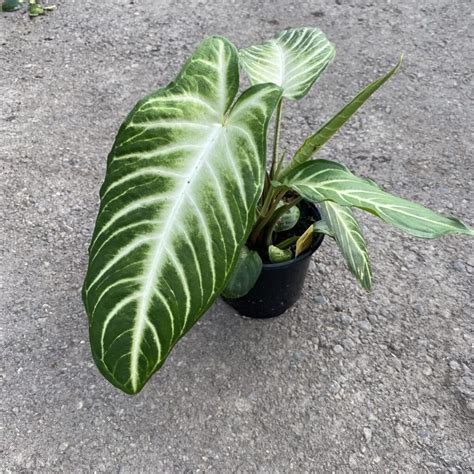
{"type": "Point", "coordinates": [245, 274]}
{"type": "Point", "coordinates": [294, 60]}
{"type": "Point", "coordinates": [177, 204]}
{"type": "Point", "coordinates": [288, 220]}
{"type": "Point", "coordinates": [314, 142]}
{"type": "Point", "coordinates": [323, 180]}
{"type": "Point", "coordinates": [348, 234]}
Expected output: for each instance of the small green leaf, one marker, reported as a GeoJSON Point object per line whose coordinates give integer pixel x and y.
{"type": "Point", "coordinates": [288, 220]}
{"type": "Point", "coordinates": [277, 255]}
{"type": "Point", "coordinates": [314, 142]}
{"type": "Point", "coordinates": [293, 60]}
{"type": "Point", "coordinates": [245, 274]}
{"type": "Point", "coordinates": [11, 5]}
{"type": "Point", "coordinates": [35, 10]}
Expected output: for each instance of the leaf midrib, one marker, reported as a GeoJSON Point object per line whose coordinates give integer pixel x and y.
{"type": "Point", "coordinates": [141, 318]}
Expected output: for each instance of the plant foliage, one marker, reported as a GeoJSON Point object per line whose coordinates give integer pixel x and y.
{"type": "Point", "coordinates": [189, 211]}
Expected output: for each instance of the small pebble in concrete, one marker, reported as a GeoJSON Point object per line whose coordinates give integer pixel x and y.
{"type": "Point", "coordinates": [427, 371]}
{"type": "Point", "coordinates": [373, 318]}
{"type": "Point", "coordinates": [298, 356]}
{"type": "Point", "coordinates": [399, 429]}
{"type": "Point", "coordinates": [63, 447]}
{"type": "Point", "coordinates": [344, 319]}
{"type": "Point", "coordinates": [338, 349]}
{"type": "Point", "coordinates": [319, 299]}
{"type": "Point", "coordinates": [367, 435]}
{"type": "Point", "coordinates": [334, 387]}
{"type": "Point", "coordinates": [365, 326]}
{"type": "Point", "coordinates": [418, 308]}
{"type": "Point", "coordinates": [349, 344]}
{"type": "Point", "coordinates": [454, 365]}
{"type": "Point", "coordinates": [459, 266]}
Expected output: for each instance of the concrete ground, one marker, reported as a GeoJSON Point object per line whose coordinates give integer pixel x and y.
{"type": "Point", "coordinates": [346, 380]}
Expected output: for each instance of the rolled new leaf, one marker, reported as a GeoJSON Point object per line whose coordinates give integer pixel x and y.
{"type": "Point", "coordinates": [304, 241]}
{"type": "Point", "coordinates": [323, 180]}
{"type": "Point", "coordinates": [350, 240]}
{"type": "Point", "coordinates": [245, 274]}
{"type": "Point", "coordinates": [293, 60]}
{"type": "Point", "coordinates": [314, 142]}
{"type": "Point", "coordinates": [177, 204]}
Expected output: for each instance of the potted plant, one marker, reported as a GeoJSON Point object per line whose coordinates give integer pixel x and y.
{"type": "Point", "coordinates": [189, 210]}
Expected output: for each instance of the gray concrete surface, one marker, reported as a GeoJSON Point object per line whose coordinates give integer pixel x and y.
{"type": "Point", "coordinates": [345, 381]}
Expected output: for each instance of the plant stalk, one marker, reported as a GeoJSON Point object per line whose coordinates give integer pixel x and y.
{"type": "Point", "coordinates": [276, 137]}
{"type": "Point", "coordinates": [275, 216]}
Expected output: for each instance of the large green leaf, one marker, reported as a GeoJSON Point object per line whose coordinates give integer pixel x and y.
{"type": "Point", "coordinates": [294, 59]}
{"type": "Point", "coordinates": [322, 180]}
{"type": "Point", "coordinates": [245, 274]}
{"type": "Point", "coordinates": [183, 179]}
{"type": "Point", "coordinates": [350, 240]}
{"type": "Point", "coordinates": [314, 142]}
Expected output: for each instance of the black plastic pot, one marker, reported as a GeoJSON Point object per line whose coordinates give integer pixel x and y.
{"type": "Point", "coordinates": [279, 285]}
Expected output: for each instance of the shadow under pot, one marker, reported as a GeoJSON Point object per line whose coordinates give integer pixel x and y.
{"type": "Point", "coordinates": [279, 285]}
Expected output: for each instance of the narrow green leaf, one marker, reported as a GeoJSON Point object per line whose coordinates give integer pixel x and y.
{"type": "Point", "coordinates": [314, 142]}
{"type": "Point", "coordinates": [293, 60]}
{"type": "Point", "coordinates": [245, 274]}
{"type": "Point", "coordinates": [350, 240]}
{"type": "Point", "coordinates": [284, 244]}
{"type": "Point", "coordinates": [323, 180]}
{"type": "Point", "coordinates": [288, 220]}
{"type": "Point", "coordinates": [11, 5]}
{"type": "Point", "coordinates": [277, 255]}
{"type": "Point", "coordinates": [177, 204]}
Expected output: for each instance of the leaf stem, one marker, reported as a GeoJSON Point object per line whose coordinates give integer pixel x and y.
{"type": "Point", "coordinates": [271, 201]}
{"type": "Point", "coordinates": [275, 216]}
{"type": "Point", "coordinates": [276, 137]}
{"type": "Point", "coordinates": [280, 163]}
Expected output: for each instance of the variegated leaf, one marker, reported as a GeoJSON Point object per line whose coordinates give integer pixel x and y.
{"type": "Point", "coordinates": [350, 240]}
{"type": "Point", "coordinates": [294, 59]}
{"type": "Point", "coordinates": [178, 201]}
{"type": "Point", "coordinates": [288, 220]}
{"type": "Point", "coordinates": [323, 180]}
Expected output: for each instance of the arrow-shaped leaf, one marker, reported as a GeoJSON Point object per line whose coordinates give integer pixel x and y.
{"type": "Point", "coordinates": [177, 204]}
{"type": "Point", "coordinates": [350, 240]}
{"type": "Point", "coordinates": [323, 180]}
{"type": "Point", "coordinates": [293, 60]}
